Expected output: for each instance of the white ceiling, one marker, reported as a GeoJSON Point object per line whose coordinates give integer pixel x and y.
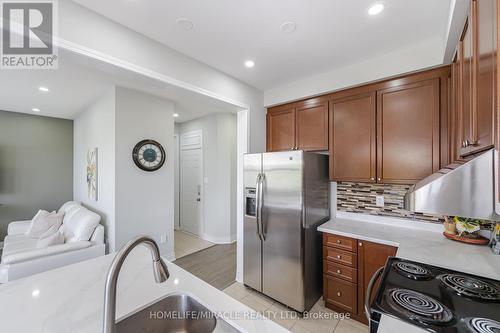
{"type": "Point", "coordinates": [79, 81]}
{"type": "Point", "coordinates": [330, 34]}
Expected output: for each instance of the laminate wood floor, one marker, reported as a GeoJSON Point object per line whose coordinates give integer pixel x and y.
{"type": "Point", "coordinates": [186, 244]}
{"type": "Point", "coordinates": [215, 265]}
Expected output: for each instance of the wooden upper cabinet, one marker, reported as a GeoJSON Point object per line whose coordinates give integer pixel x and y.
{"type": "Point", "coordinates": [312, 125]}
{"type": "Point", "coordinates": [302, 125]}
{"type": "Point", "coordinates": [353, 138]}
{"type": "Point", "coordinates": [483, 124]}
{"type": "Point", "coordinates": [477, 79]}
{"type": "Point", "coordinates": [281, 129]}
{"type": "Point", "coordinates": [466, 85]}
{"type": "Point", "coordinates": [408, 135]}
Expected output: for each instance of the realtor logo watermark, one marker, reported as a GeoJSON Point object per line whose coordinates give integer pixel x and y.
{"type": "Point", "coordinates": [28, 30]}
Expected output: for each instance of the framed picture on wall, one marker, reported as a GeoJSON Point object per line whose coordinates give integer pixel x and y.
{"type": "Point", "coordinates": [92, 174]}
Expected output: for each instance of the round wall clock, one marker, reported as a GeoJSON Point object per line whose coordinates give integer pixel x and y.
{"type": "Point", "coordinates": [148, 155]}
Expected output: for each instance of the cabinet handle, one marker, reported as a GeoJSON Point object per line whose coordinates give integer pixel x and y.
{"type": "Point", "coordinates": [373, 178]}
{"type": "Point", "coordinates": [360, 244]}
{"type": "Point", "coordinates": [338, 256]}
{"type": "Point", "coordinates": [338, 293]}
{"type": "Point", "coordinates": [338, 271]}
{"type": "Point", "coordinates": [338, 241]}
{"type": "Point", "coordinates": [379, 179]}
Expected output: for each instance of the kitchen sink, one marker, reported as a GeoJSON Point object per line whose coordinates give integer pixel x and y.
{"type": "Point", "coordinates": [174, 313]}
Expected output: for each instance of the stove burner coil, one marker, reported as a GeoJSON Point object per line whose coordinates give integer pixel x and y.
{"type": "Point", "coordinates": [470, 287]}
{"type": "Point", "coordinates": [482, 325]}
{"type": "Point", "coordinates": [420, 307]}
{"type": "Point", "coordinates": [412, 271]}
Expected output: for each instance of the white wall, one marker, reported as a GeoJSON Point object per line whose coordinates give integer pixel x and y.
{"type": "Point", "coordinates": [417, 57]}
{"type": "Point", "coordinates": [142, 52]}
{"type": "Point", "coordinates": [95, 127]}
{"type": "Point", "coordinates": [219, 171]}
{"type": "Point", "coordinates": [144, 200]}
{"type": "Point", "coordinates": [176, 175]}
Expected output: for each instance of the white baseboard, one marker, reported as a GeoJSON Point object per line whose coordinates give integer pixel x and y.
{"type": "Point", "coordinates": [219, 240]}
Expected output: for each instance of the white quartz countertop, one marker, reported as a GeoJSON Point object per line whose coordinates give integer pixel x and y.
{"type": "Point", "coordinates": [70, 299]}
{"type": "Point", "coordinates": [417, 241]}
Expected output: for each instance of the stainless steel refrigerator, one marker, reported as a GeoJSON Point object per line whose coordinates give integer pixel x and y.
{"type": "Point", "coordinates": [286, 197]}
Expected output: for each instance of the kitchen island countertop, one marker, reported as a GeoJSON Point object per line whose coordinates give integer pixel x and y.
{"type": "Point", "coordinates": [71, 298]}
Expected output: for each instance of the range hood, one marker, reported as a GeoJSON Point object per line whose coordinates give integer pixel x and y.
{"type": "Point", "coordinates": [462, 189]}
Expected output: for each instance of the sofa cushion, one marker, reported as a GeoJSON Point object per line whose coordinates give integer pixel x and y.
{"type": "Point", "coordinates": [70, 212]}
{"type": "Point", "coordinates": [80, 226]}
{"type": "Point", "coordinates": [44, 224]}
{"type": "Point", "coordinates": [43, 252]}
{"type": "Point", "coordinates": [67, 206]}
{"type": "Point", "coordinates": [17, 243]}
{"type": "Point", "coordinates": [53, 239]}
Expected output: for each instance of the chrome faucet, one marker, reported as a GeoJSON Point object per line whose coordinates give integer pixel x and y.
{"type": "Point", "coordinates": [160, 271]}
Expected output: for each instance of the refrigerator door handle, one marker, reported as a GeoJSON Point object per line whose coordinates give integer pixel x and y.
{"type": "Point", "coordinates": [261, 204]}
{"type": "Point", "coordinates": [257, 201]}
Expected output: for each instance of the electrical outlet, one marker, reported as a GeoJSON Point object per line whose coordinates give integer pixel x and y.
{"type": "Point", "coordinates": [379, 201]}
{"type": "Point", "coordinates": [163, 238]}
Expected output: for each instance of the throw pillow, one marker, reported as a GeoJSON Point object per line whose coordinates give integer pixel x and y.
{"type": "Point", "coordinates": [44, 224]}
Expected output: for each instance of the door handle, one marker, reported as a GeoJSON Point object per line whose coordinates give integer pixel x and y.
{"type": "Point", "coordinates": [369, 290]}
{"type": "Point", "coordinates": [257, 204]}
{"type": "Point", "coordinates": [261, 203]}
{"type": "Point", "coordinates": [198, 199]}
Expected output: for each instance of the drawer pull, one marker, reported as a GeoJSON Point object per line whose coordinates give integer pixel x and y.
{"type": "Point", "coordinates": [338, 293]}
{"type": "Point", "coordinates": [339, 256]}
{"type": "Point", "coordinates": [338, 241]}
{"type": "Point", "coordinates": [338, 271]}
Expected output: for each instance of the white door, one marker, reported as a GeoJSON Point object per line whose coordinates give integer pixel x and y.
{"type": "Point", "coordinates": [191, 181]}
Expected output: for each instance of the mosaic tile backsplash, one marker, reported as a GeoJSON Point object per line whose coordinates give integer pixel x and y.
{"type": "Point", "coordinates": [361, 197]}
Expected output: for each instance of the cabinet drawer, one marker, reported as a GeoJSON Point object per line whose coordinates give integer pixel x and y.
{"type": "Point", "coordinates": [340, 256]}
{"type": "Point", "coordinates": [340, 293]}
{"type": "Point", "coordinates": [340, 271]}
{"type": "Point", "coordinates": [341, 242]}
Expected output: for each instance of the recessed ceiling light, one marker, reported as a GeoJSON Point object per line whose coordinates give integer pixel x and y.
{"type": "Point", "coordinates": [288, 27]}
{"type": "Point", "coordinates": [35, 110]}
{"type": "Point", "coordinates": [175, 115]}
{"type": "Point", "coordinates": [376, 9]}
{"type": "Point", "coordinates": [184, 23]}
{"type": "Point", "coordinates": [43, 89]}
{"type": "Point", "coordinates": [249, 63]}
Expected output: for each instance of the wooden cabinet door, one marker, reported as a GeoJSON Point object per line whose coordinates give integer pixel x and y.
{"type": "Point", "coordinates": [281, 129]}
{"type": "Point", "coordinates": [408, 136]}
{"type": "Point", "coordinates": [353, 138]}
{"type": "Point", "coordinates": [485, 50]}
{"type": "Point", "coordinates": [453, 135]}
{"type": "Point", "coordinates": [467, 84]}
{"type": "Point", "coordinates": [312, 125]}
{"type": "Point", "coordinates": [371, 256]}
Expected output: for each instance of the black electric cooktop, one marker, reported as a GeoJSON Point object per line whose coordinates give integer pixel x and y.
{"type": "Point", "coordinates": [437, 299]}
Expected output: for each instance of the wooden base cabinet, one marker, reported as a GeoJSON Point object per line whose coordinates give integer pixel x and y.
{"type": "Point", "coordinates": [348, 265]}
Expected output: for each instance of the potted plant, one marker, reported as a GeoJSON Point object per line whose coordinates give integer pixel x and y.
{"type": "Point", "coordinates": [466, 230]}
{"type": "Point", "coordinates": [466, 227]}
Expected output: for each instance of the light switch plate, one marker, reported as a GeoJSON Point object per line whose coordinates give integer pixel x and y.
{"type": "Point", "coordinates": [379, 201]}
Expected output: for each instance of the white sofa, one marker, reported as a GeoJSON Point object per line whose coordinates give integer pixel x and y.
{"type": "Point", "coordinates": [21, 257]}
